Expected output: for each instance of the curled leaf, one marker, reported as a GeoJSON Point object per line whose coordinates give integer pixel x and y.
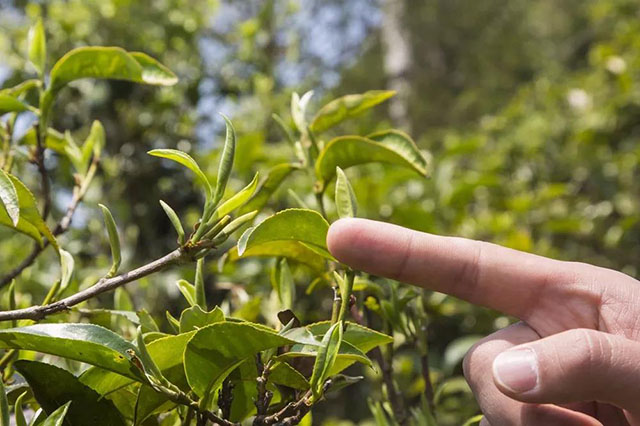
{"type": "Point", "coordinates": [175, 221]}
{"type": "Point", "coordinates": [226, 161]}
{"type": "Point", "coordinates": [346, 202]}
{"type": "Point", "coordinates": [187, 161]}
{"type": "Point", "coordinates": [114, 240]}
{"type": "Point", "coordinates": [9, 197]}
{"type": "Point", "coordinates": [346, 107]}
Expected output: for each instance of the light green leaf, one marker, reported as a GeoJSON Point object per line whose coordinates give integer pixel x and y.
{"type": "Point", "coordinates": [175, 221]}
{"type": "Point", "coordinates": [226, 161]}
{"type": "Point", "coordinates": [109, 63]}
{"type": "Point", "coordinates": [20, 420]}
{"type": "Point", "coordinates": [188, 291]}
{"type": "Point", "coordinates": [37, 43]}
{"type": "Point", "coordinates": [348, 151]}
{"type": "Point", "coordinates": [151, 369]}
{"type": "Point", "coordinates": [186, 160]}
{"type": "Point", "coordinates": [57, 417]}
{"type": "Point", "coordinates": [402, 144]}
{"type": "Point", "coordinates": [87, 343]}
{"type": "Point", "coordinates": [327, 354]}
{"type": "Point", "coordinates": [237, 200]}
{"type": "Point", "coordinates": [21, 88]}
{"type": "Point", "coordinates": [146, 321]}
{"type": "Point", "coordinates": [282, 281]}
{"type": "Point", "coordinates": [194, 318]}
{"type": "Point", "coordinates": [114, 240]}
{"type": "Point", "coordinates": [200, 295]}
{"type": "Point", "coordinates": [214, 351]}
{"type": "Point", "coordinates": [238, 223]}
{"type": "Point", "coordinates": [9, 198]}
{"type": "Point", "coordinates": [359, 336]}
{"type": "Point", "coordinates": [284, 374]}
{"type": "Point", "coordinates": [346, 107]}
{"type": "Point", "coordinates": [292, 250]}
{"type": "Point", "coordinates": [457, 349]}
{"type": "Point", "coordinates": [473, 420]}
{"type": "Point", "coordinates": [66, 269]}
{"type": "Point", "coordinates": [305, 226]}
{"type": "Point", "coordinates": [346, 203]}
{"type": "Point", "coordinates": [30, 223]}
{"type": "Point", "coordinates": [92, 145]}
{"type": "Point", "coordinates": [10, 104]}
{"type": "Point", "coordinates": [299, 109]}
{"type": "Point", "coordinates": [269, 185]}
{"type": "Point", "coordinates": [52, 385]}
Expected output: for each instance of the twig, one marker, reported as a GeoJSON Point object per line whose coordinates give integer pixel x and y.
{"type": "Point", "coordinates": [225, 398]}
{"type": "Point", "coordinates": [78, 194]}
{"type": "Point", "coordinates": [264, 395]}
{"type": "Point", "coordinates": [291, 414]}
{"type": "Point", "coordinates": [105, 284]}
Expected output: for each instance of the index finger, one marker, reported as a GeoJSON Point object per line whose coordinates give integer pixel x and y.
{"type": "Point", "coordinates": [507, 280]}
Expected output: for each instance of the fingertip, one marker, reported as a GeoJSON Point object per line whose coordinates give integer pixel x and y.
{"type": "Point", "coordinates": [339, 237]}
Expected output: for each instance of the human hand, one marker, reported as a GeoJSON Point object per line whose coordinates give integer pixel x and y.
{"type": "Point", "coordinates": [575, 357]}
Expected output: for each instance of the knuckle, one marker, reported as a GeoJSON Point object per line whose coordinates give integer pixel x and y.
{"type": "Point", "coordinates": [595, 349]}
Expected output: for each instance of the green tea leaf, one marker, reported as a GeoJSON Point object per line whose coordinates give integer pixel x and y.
{"type": "Point", "coordinates": [23, 87]}
{"type": "Point", "coordinates": [92, 145]}
{"type": "Point", "coordinates": [269, 185]}
{"type": "Point", "coordinates": [284, 374]}
{"type": "Point", "coordinates": [346, 107]}
{"type": "Point", "coordinates": [114, 240]}
{"type": "Point", "coordinates": [10, 104]}
{"type": "Point", "coordinates": [238, 223]}
{"type": "Point", "coordinates": [282, 281]}
{"type": "Point", "coordinates": [402, 144]}
{"type": "Point", "coordinates": [87, 406]}
{"type": "Point", "coordinates": [299, 108]}
{"type": "Point", "coordinates": [346, 203]}
{"type": "Point", "coordinates": [150, 367]}
{"type": "Point", "coordinates": [166, 352]}
{"type": "Point", "coordinates": [20, 420]}
{"type": "Point", "coordinates": [30, 223]}
{"type": "Point", "coordinates": [37, 43]}
{"type": "Point", "coordinates": [175, 221]}
{"type": "Point", "coordinates": [67, 265]}
{"type": "Point", "coordinates": [146, 321]}
{"type": "Point", "coordinates": [9, 198]}
{"type": "Point", "coordinates": [359, 336]}
{"type": "Point", "coordinates": [214, 351]}
{"type": "Point", "coordinates": [305, 226]}
{"type": "Point", "coordinates": [226, 161]}
{"type": "Point", "coordinates": [188, 291]}
{"type": "Point", "coordinates": [292, 250]}
{"type": "Point", "coordinates": [348, 151]}
{"type": "Point", "coordinates": [200, 295]}
{"type": "Point", "coordinates": [87, 343]}
{"type": "Point", "coordinates": [108, 63]}
{"type": "Point", "coordinates": [4, 406]}
{"type": "Point", "coordinates": [327, 354]}
{"type": "Point", "coordinates": [195, 318]}
{"type": "Point", "coordinates": [186, 160]}
{"type": "Point", "coordinates": [57, 417]}
{"type": "Point", "coordinates": [237, 200]}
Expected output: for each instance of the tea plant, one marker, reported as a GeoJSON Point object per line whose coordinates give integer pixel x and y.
{"type": "Point", "coordinates": [205, 366]}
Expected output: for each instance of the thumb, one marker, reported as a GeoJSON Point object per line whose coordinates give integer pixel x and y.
{"type": "Point", "coordinates": [572, 366]}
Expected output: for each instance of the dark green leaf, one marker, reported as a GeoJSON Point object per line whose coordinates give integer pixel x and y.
{"type": "Point", "coordinates": [146, 321]}
{"type": "Point", "coordinates": [346, 203]}
{"type": "Point", "coordinates": [52, 386]}
{"type": "Point", "coordinates": [305, 226]}
{"type": "Point", "coordinates": [401, 143]}
{"type": "Point", "coordinates": [346, 107]}
{"type": "Point", "coordinates": [282, 281]}
{"type": "Point", "coordinates": [326, 357]}
{"type": "Point", "coordinates": [114, 240]}
{"type": "Point", "coordinates": [226, 162]}
{"type": "Point", "coordinates": [87, 343]}
{"type": "Point", "coordinates": [37, 46]}
{"type": "Point", "coordinates": [186, 160]}
{"type": "Point", "coordinates": [292, 250]}
{"type": "Point", "coordinates": [284, 374]}
{"type": "Point", "coordinates": [214, 351]}
{"type": "Point", "coordinates": [4, 406]}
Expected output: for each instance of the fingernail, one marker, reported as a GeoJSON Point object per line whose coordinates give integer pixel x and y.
{"type": "Point", "coordinates": [517, 369]}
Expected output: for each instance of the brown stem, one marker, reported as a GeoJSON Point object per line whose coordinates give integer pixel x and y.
{"type": "Point", "coordinates": [291, 414]}
{"type": "Point", "coordinates": [264, 395]}
{"type": "Point", "coordinates": [105, 284]}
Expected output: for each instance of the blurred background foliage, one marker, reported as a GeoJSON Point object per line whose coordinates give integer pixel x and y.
{"type": "Point", "coordinates": [529, 111]}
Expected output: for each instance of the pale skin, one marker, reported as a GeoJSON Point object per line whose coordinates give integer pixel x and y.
{"type": "Point", "coordinates": [574, 359]}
